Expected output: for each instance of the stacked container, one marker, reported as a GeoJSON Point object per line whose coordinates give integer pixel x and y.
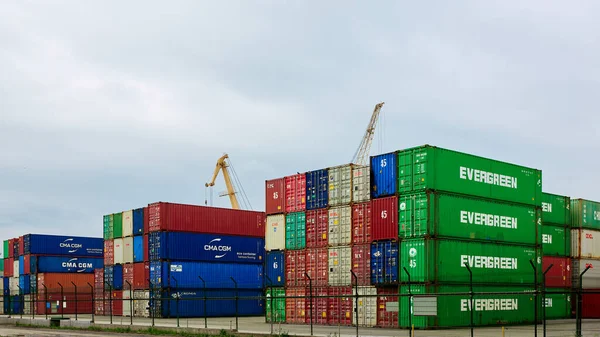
{"type": "Point", "coordinates": [450, 210]}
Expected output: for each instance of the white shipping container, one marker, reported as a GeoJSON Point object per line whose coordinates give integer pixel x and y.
{"type": "Point", "coordinates": [275, 235]}
{"type": "Point", "coordinates": [16, 268]}
{"type": "Point", "coordinates": [126, 303]}
{"type": "Point", "coordinates": [340, 264]}
{"type": "Point", "coordinates": [118, 251]}
{"type": "Point", "coordinates": [141, 304]}
{"type": "Point", "coordinates": [27, 304]}
{"type": "Point", "coordinates": [1, 285]}
{"type": "Point", "coordinates": [367, 306]}
{"type": "Point", "coordinates": [127, 223]}
{"type": "Point", "coordinates": [340, 226]}
{"type": "Point", "coordinates": [340, 185]}
{"type": "Point", "coordinates": [13, 285]}
{"type": "Point", "coordinates": [361, 180]}
{"type": "Point", "coordinates": [585, 244]}
{"type": "Point", "coordinates": [591, 279]}
{"type": "Point", "coordinates": [128, 250]}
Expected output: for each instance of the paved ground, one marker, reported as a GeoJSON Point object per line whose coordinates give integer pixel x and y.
{"type": "Point", "coordinates": [256, 325]}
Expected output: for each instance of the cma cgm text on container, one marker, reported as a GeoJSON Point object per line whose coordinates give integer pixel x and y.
{"type": "Point", "coordinates": [39, 244]}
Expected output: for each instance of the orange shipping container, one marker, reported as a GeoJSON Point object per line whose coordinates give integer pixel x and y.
{"type": "Point", "coordinates": [275, 196]}
{"type": "Point", "coordinates": [295, 305]}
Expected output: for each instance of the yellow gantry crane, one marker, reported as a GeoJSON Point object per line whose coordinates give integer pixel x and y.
{"type": "Point", "coordinates": [361, 157]}
{"type": "Point", "coordinates": [223, 164]}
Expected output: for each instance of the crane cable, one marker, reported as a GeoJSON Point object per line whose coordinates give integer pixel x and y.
{"type": "Point", "coordinates": [244, 198]}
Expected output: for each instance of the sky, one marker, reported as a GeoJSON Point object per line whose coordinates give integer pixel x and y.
{"type": "Point", "coordinates": [107, 106]}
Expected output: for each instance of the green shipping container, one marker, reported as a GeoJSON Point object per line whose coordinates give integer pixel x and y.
{"type": "Point", "coordinates": [295, 231]}
{"type": "Point", "coordinates": [447, 215]}
{"type": "Point", "coordinates": [429, 167]}
{"type": "Point", "coordinates": [5, 249]}
{"type": "Point", "coordinates": [117, 225]}
{"type": "Point", "coordinates": [443, 261]}
{"type": "Point", "coordinates": [1, 268]}
{"type": "Point", "coordinates": [585, 214]}
{"type": "Point", "coordinates": [455, 310]}
{"type": "Point", "coordinates": [558, 304]}
{"type": "Point", "coordinates": [556, 209]}
{"type": "Point", "coordinates": [556, 241]}
{"type": "Point", "coordinates": [275, 300]}
{"type": "Point", "coordinates": [108, 227]}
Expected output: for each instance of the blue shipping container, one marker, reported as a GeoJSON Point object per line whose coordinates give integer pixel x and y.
{"type": "Point", "coordinates": [138, 248]}
{"type": "Point", "coordinates": [39, 244]}
{"type": "Point", "coordinates": [216, 275]}
{"type": "Point", "coordinates": [6, 306]}
{"type": "Point", "coordinates": [114, 276]}
{"type": "Point", "coordinates": [182, 246]}
{"type": "Point", "coordinates": [16, 304]}
{"type": "Point", "coordinates": [25, 284]}
{"type": "Point", "coordinates": [384, 262]}
{"type": "Point", "coordinates": [317, 189]}
{"type": "Point", "coordinates": [64, 264]}
{"type": "Point", "coordinates": [21, 265]}
{"type": "Point", "coordinates": [138, 221]}
{"type": "Point", "coordinates": [33, 284]}
{"type": "Point", "coordinates": [6, 285]}
{"type": "Point", "coordinates": [275, 269]}
{"type": "Point", "coordinates": [219, 303]}
{"type": "Point", "coordinates": [383, 175]}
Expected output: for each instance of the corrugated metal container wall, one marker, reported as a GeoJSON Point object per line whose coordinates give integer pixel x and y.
{"type": "Point", "coordinates": [556, 209]}
{"type": "Point", "coordinates": [591, 279]}
{"type": "Point", "coordinates": [366, 306]}
{"type": "Point", "coordinates": [384, 219]}
{"type": "Point", "coordinates": [51, 280]}
{"type": "Point", "coordinates": [275, 236]}
{"type": "Point", "coordinates": [118, 225]}
{"type": "Point", "coordinates": [318, 310]}
{"type": "Point", "coordinates": [141, 274]}
{"type": "Point", "coordinates": [11, 248]}
{"type": "Point", "coordinates": [585, 214]}
{"type": "Point", "coordinates": [38, 244]}
{"type": "Point", "coordinates": [16, 266]}
{"type": "Point", "coordinates": [127, 276]}
{"type": "Point", "coordinates": [108, 277]}
{"type": "Point", "coordinates": [295, 230]}
{"type": "Point", "coordinates": [108, 233]}
{"type": "Point", "coordinates": [317, 266]}
{"type": "Point", "coordinates": [8, 267]}
{"type": "Point", "coordinates": [339, 306]}
{"type": "Point", "coordinates": [249, 303]}
{"type": "Point", "coordinates": [384, 262]}
{"type": "Point", "coordinates": [340, 264]}
{"type": "Point", "coordinates": [201, 219]}
{"type": "Point", "coordinates": [438, 260]}
{"type": "Point", "coordinates": [585, 243]}
{"type": "Point", "coordinates": [384, 170]}
{"type": "Point", "coordinates": [109, 252]}
{"type": "Point", "coordinates": [216, 275]}
{"type": "Point", "coordinates": [140, 307]}
{"type": "Point", "coordinates": [99, 278]}
{"type": "Point", "coordinates": [146, 220]}
{"type": "Point", "coordinates": [138, 248]}
{"type": "Point", "coordinates": [275, 196]}
{"type": "Point", "coordinates": [118, 251]}
{"type": "Point", "coordinates": [295, 193]}
{"type": "Point", "coordinates": [146, 249]}
{"type": "Point", "coordinates": [127, 303]}
{"type": "Point", "coordinates": [67, 303]}
{"type": "Point", "coordinates": [361, 223]}
{"type": "Point", "coordinates": [6, 254]}
{"type": "Point", "coordinates": [14, 285]}
{"type": "Point", "coordinates": [138, 221]}
{"type": "Point", "coordinates": [275, 305]}
{"type": "Point", "coordinates": [316, 228]}
{"type": "Point", "coordinates": [590, 307]}
{"type": "Point", "coordinates": [16, 248]}
{"type": "Point", "coordinates": [559, 276]}
{"type": "Point", "coordinates": [448, 215]}
{"type": "Point", "coordinates": [127, 223]}
{"type": "Point", "coordinates": [295, 267]}
{"type": "Point", "coordinates": [429, 167]}
{"type": "Point", "coordinates": [295, 305]}
{"type": "Point", "coordinates": [275, 269]}
{"type": "Point", "coordinates": [117, 303]}
{"type": "Point", "coordinates": [128, 250]}
{"type": "Point", "coordinates": [114, 276]}
{"type": "Point", "coordinates": [361, 263]}
{"type": "Point", "coordinates": [21, 246]}
{"type": "Point", "coordinates": [387, 307]}
{"type": "Point", "coordinates": [27, 264]}
{"type": "Point", "coordinates": [25, 284]}
{"type": "Point", "coordinates": [558, 306]}
{"type": "Point", "coordinates": [64, 264]}
{"type": "Point", "coordinates": [316, 189]}
{"type": "Point", "coordinates": [21, 265]}
{"type": "Point", "coordinates": [340, 226]}
{"type": "Point", "coordinates": [340, 185]}
{"type": "Point", "coordinates": [361, 183]}
{"type": "Point", "coordinates": [556, 241]}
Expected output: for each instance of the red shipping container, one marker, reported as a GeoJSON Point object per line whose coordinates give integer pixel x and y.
{"type": "Point", "coordinates": [146, 251]}
{"type": "Point", "coordinates": [99, 302]}
{"type": "Point", "coordinates": [116, 301]}
{"type": "Point", "coordinates": [141, 274]}
{"type": "Point", "coordinates": [21, 246]}
{"type": "Point", "coordinates": [361, 263]}
{"type": "Point", "coordinates": [361, 223]}
{"type": "Point", "coordinates": [128, 276]}
{"type": "Point", "coordinates": [387, 302]}
{"type": "Point", "coordinates": [319, 305]}
{"type": "Point", "coordinates": [384, 219]}
{"type": "Point", "coordinates": [275, 196]}
{"type": "Point", "coordinates": [8, 267]}
{"type": "Point", "coordinates": [11, 248]}
{"type": "Point", "coordinates": [68, 304]}
{"type": "Point", "coordinates": [295, 193]}
{"type": "Point", "coordinates": [109, 252]}
{"type": "Point", "coordinates": [589, 307]}
{"type": "Point", "coordinates": [340, 306]}
{"type": "Point", "coordinates": [295, 305]}
{"type": "Point", "coordinates": [202, 219]}
{"type": "Point", "coordinates": [146, 220]}
{"type": "Point", "coordinates": [317, 266]}
{"type": "Point", "coordinates": [51, 281]}
{"type": "Point", "coordinates": [295, 267]}
{"type": "Point", "coordinates": [559, 276]}
{"type": "Point", "coordinates": [27, 264]}
{"type": "Point", "coordinates": [317, 222]}
{"type": "Point", "coordinates": [99, 278]}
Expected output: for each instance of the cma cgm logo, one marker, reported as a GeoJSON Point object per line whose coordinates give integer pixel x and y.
{"type": "Point", "coordinates": [213, 246]}
{"type": "Point", "coordinates": [82, 266]}
{"type": "Point", "coordinates": [68, 243]}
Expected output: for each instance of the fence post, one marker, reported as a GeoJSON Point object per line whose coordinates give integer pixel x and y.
{"type": "Point", "coordinates": [536, 299]}
{"type": "Point", "coordinates": [33, 299]}
{"type": "Point", "coordinates": [110, 301]}
{"type": "Point", "coordinates": [205, 313]}
{"type": "Point", "coordinates": [76, 309]}
{"type": "Point", "coordinates": [131, 303]}
{"type": "Point", "coordinates": [409, 300]}
{"type": "Point", "coordinates": [46, 300]}
{"type": "Point", "coordinates": [9, 301]}
{"type": "Point", "coordinates": [93, 302]}
{"type": "Point", "coordinates": [311, 302]}
{"type": "Point", "coordinates": [472, 308]}
{"type": "Point", "coordinates": [270, 296]}
{"type": "Point", "coordinates": [176, 298]}
{"type": "Point", "coordinates": [579, 302]}
{"type": "Point", "coordinates": [62, 304]}
{"type": "Point", "coordinates": [151, 302]}
{"type": "Point", "coordinates": [236, 303]}
{"type": "Point", "coordinates": [355, 298]}
{"type": "Point", "coordinates": [21, 300]}
{"type": "Point", "coordinates": [544, 296]}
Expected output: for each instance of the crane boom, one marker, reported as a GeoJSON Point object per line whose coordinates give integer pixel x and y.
{"type": "Point", "coordinates": [361, 157]}
{"type": "Point", "coordinates": [222, 165]}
